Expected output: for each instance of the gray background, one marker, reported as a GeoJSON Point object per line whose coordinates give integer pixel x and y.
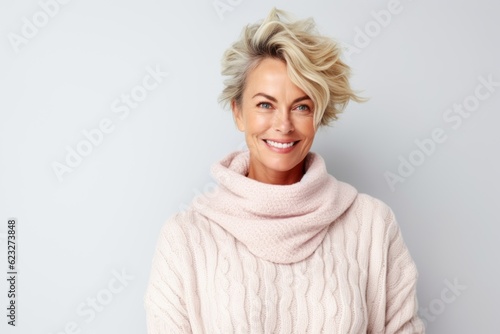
{"type": "Point", "coordinates": [105, 215]}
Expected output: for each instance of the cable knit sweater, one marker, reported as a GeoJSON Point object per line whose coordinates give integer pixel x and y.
{"type": "Point", "coordinates": [311, 257]}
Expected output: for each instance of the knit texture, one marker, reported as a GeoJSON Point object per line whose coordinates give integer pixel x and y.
{"type": "Point", "coordinates": [311, 257]}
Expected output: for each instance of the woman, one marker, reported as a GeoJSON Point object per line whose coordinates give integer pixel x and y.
{"type": "Point", "coordinates": [281, 246]}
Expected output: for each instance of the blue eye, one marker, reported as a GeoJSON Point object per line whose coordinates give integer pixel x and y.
{"type": "Point", "coordinates": [264, 105]}
{"type": "Point", "coordinates": [303, 107]}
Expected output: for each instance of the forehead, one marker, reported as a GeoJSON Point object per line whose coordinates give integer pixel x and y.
{"type": "Point", "coordinates": [270, 76]}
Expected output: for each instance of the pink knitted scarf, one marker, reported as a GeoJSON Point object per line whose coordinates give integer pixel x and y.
{"type": "Point", "coordinates": [278, 223]}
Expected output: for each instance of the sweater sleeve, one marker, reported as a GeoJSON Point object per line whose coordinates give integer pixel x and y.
{"type": "Point", "coordinates": [164, 299]}
{"type": "Point", "coordinates": [400, 284]}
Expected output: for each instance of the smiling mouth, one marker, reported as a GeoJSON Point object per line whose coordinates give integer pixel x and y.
{"type": "Point", "coordinates": [281, 145]}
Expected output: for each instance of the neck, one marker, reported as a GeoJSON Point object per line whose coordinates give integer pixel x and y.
{"type": "Point", "coordinates": [266, 175]}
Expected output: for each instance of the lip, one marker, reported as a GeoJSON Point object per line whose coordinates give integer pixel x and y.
{"type": "Point", "coordinates": [281, 141]}
{"type": "Point", "coordinates": [281, 150]}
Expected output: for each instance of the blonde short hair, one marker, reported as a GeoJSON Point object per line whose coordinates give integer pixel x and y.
{"type": "Point", "coordinates": [313, 63]}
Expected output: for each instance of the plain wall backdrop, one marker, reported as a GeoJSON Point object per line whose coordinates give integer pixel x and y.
{"type": "Point", "coordinates": [109, 123]}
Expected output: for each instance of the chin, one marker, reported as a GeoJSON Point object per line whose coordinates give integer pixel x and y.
{"type": "Point", "coordinates": [282, 164]}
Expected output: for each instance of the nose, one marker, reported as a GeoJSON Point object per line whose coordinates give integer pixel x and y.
{"type": "Point", "coordinates": [282, 121]}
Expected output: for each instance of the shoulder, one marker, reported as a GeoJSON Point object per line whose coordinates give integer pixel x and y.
{"type": "Point", "coordinates": [174, 233]}
{"type": "Point", "coordinates": [180, 223]}
{"type": "Point", "coordinates": [187, 230]}
{"type": "Point", "coordinates": [369, 206]}
{"type": "Point", "coordinates": [380, 220]}
{"type": "Point", "coordinates": [371, 218]}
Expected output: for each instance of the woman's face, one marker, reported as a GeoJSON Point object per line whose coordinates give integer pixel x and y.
{"type": "Point", "coordinates": [277, 118]}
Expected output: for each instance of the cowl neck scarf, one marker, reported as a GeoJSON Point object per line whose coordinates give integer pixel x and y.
{"type": "Point", "coordinates": [278, 223]}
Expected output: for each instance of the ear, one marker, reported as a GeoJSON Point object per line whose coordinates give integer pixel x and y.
{"type": "Point", "coordinates": [238, 116]}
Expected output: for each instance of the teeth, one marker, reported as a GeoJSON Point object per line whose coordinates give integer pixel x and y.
{"type": "Point", "coordinates": [279, 145]}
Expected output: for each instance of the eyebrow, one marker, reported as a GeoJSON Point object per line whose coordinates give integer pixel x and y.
{"type": "Point", "coordinates": [269, 97]}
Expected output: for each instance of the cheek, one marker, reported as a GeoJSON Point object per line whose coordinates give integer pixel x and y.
{"type": "Point", "coordinates": [257, 124]}
{"type": "Point", "coordinates": [306, 127]}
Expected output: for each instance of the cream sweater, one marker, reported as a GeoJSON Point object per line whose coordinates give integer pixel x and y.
{"type": "Point", "coordinates": [311, 257]}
